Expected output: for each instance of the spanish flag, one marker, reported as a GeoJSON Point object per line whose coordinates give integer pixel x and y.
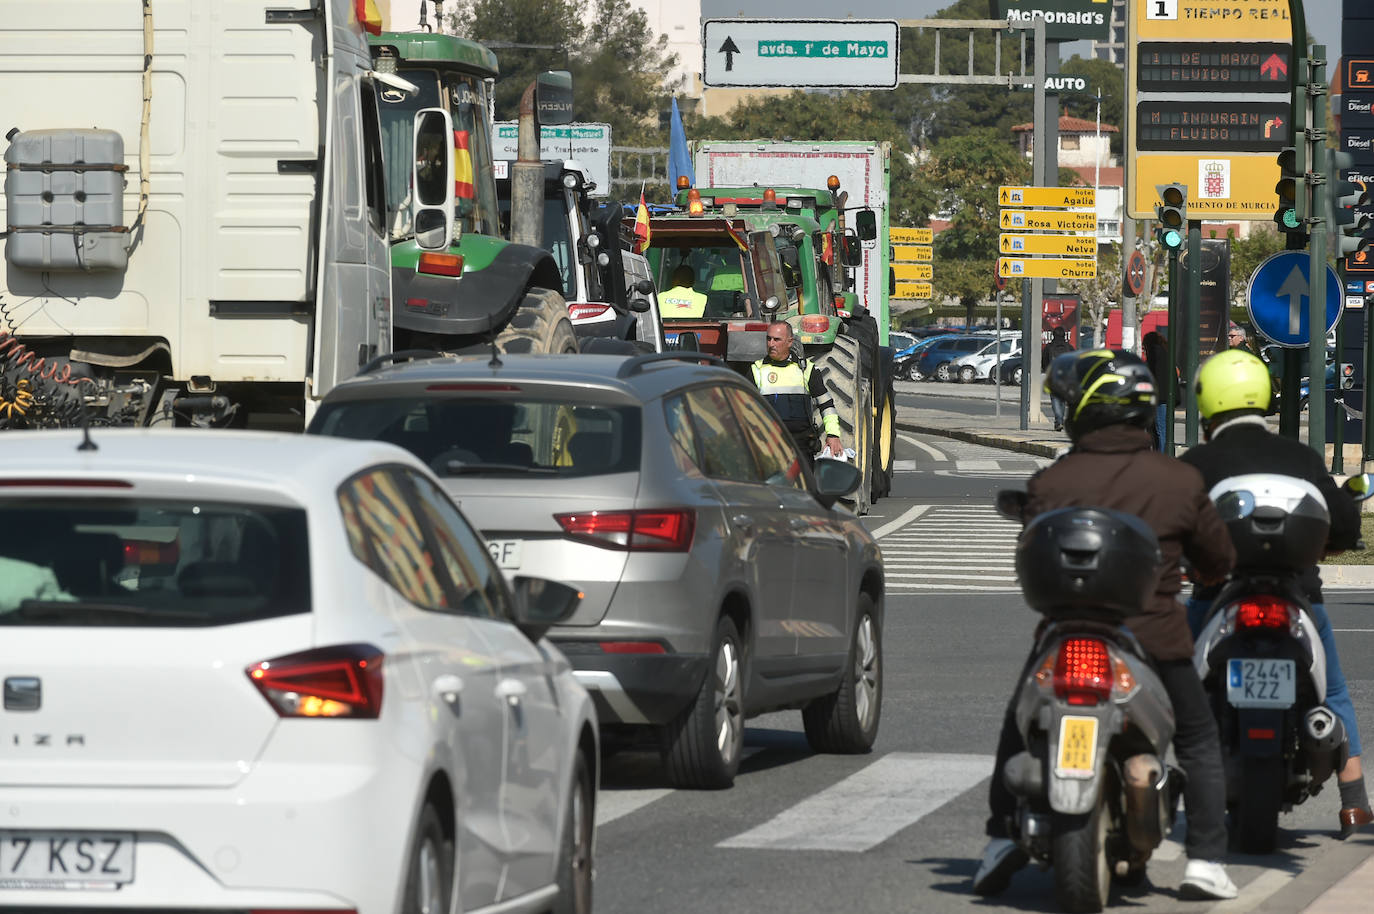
{"type": "Point", "coordinates": [641, 242]}
{"type": "Point", "coordinates": [828, 250]}
{"type": "Point", "coordinates": [463, 187]}
{"type": "Point", "coordinates": [368, 16]}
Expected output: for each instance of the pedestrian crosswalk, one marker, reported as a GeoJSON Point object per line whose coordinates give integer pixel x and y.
{"type": "Point", "coordinates": [951, 548]}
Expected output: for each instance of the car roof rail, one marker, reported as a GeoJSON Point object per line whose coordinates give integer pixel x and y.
{"type": "Point", "coordinates": [634, 365]}
{"type": "Point", "coordinates": [405, 355]}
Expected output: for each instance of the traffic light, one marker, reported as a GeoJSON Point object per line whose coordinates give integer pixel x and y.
{"type": "Point", "coordinates": [1172, 214]}
{"type": "Point", "coordinates": [1347, 197]}
{"type": "Point", "coordinates": [1290, 189]}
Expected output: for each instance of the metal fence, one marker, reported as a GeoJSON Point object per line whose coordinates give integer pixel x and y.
{"type": "Point", "coordinates": [633, 167]}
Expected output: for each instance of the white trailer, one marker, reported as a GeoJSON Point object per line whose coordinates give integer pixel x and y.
{"type": "Point", "coordinates": [864, 170]}
{"type": "Point", "coordinates": [195, 209]}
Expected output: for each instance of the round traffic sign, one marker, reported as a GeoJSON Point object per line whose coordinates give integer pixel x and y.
{"type": "Point", "coordinates": [1135, 273]}
{"type": "Point", "coordinates": [1278, 299]}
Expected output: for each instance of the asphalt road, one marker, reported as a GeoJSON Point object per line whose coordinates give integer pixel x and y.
{"type": "Point", "coordinates": [900, 829]}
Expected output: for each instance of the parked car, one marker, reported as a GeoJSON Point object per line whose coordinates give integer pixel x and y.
{"type": "Point", "coordinates": [978, 366]}
{"type": "Point", "coordinates": [898, 340]}
{"type": "Point", "coordinates": [906, 364]}
{"type": "Point", "coordinates": [1012, 370]}
{"type": "Point", "coordinates": [255, 671]}
{"type": "Point", "coordinates": [934, 362]}
{"type": "Point", "coordinates": [720, 580]}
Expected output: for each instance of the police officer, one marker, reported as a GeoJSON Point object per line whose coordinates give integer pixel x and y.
{"type": "Point", "coordinates": [790, 385]}
{"type": "Point", "coordinates": [682, 300]}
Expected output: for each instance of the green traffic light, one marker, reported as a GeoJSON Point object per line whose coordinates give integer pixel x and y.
{"type": "Point", "coordinates": [1170, 238]}
{"type": "Point", "coordinates": [1289, 218]}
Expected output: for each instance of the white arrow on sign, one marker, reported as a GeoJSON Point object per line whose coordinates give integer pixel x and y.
{"type": "Point", "coordinates": [1294, 289]}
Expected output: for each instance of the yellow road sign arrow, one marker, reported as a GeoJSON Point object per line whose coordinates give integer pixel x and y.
{"type": "Point", "coordinates": [908, 291]}
{"type": "Point", "coordinates": [1047, 196]}
{"type": "Point", "coordinates": [1047, 221]}
{"type": "Point", "coordinates": [1046, 268]}
{"type": "Point", "coordinates": [900, 235]}
{"type": "Point", "coordinates": [1072, 245]}
{"type": "Point", "coordinates": [913, 272]}
{"type": "Point", "coordinates": [908, 253]}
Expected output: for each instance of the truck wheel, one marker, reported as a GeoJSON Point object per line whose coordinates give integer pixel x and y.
{"type": "Point", "coordinates": [884, 442]}
{"type": "Point", "coordinates": [876, 370]}
{"type": "Point", "coordinates": [840, 367]}
{"type": "Point", "coordinates": [540, 324]}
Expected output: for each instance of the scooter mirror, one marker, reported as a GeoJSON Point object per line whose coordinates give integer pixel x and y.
{"type": "Point", "coordinates": [1360, 486]}
{"type": "Point", "coordinates": [1011, 503]}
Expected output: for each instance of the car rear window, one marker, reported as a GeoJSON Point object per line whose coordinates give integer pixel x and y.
{"type": "Point", "coordinates": [455, 435]}
{"type": "Point", "coordinates": [150, 563]}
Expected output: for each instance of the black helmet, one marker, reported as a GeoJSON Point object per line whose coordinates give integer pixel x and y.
{"type": "Point", "coordinates": [1102, 387]}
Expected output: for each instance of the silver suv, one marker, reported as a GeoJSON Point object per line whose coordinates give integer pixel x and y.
{"type": "Point", "coordinates": [719, 579]}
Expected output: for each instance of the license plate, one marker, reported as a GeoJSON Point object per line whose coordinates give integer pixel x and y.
{"type": "Point", "coordinates": [1077, 747]}
{"type": "Point", "coordinates": [1261, 683]}
{"type": "Point", "coordinates": [505, 553]}
{"type": "Point", "coordinates": [66, 859]}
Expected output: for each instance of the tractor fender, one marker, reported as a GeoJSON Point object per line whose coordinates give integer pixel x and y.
{"type": "Point", "coordinates": [483, 299]}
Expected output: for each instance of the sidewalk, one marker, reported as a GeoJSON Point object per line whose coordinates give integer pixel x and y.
{"type": "Point", "coordinates": [932, 416]}
{"type": "Point", "coordinates": [1353, 890]}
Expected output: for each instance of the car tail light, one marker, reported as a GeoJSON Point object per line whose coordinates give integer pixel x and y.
{"type": "Point", "coordinates": [581, 312]}
{"type": "Point", "coordinates": [1262, 611]}
{"type": "Point", "coordinates": [815, 323]}
{"type": "Point", "coordinates": [1083, 671]}
{"type": "Point", "coordinates": [417, 304]}
{"type": "Point", "coordinates": [473, 385]}
{"type": "Point", "coordinates": [141, 553]}
{"type": "Point", "coordinates": [340, 681]}
{"type": "Point", "coordinates": [632, 647]}
{"type": "Point", "coordinates": [633, 531]}
{"type": "Point", "coordinates": [440, 264]}
{"type": "Point", "coordinates": [1259, 733]}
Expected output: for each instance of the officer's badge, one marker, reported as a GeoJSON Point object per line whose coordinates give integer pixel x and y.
{"type": "Point", "coordinates": [772, 377]}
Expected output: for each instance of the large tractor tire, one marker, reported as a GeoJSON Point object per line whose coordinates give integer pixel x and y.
{"type": "Point", "coordinates": [877, 370]}
{"type": "Point", "coordinates": [841, 368]}
{"type": "Point", "coordinates": [540, 324]}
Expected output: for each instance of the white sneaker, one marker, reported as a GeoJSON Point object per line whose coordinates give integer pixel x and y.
{"type": "Point", "coordinates": [1207, 879]}
{"type": "Point", "coordinates": [1001, 859]}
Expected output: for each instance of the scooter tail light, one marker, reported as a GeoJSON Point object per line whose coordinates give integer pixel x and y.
{"type": "Point", "coordinates": [1123, 680]}
{"type": "Point", "coordinates": [1263, 611]}
{"type": "Point", "coordinates": [1083, 672]}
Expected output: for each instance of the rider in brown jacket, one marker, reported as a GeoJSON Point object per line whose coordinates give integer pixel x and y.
{"type": "Point", "coordinates": [1110, 399]}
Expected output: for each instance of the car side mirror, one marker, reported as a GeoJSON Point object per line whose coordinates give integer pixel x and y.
{"type": "Point", "coordinates": [553, 97]}
{"type": "Point", "coordinates": [1359, 487]}
{"type": "Point", "coordinates": [431, 206]}
{"type": "Point", "coordinates": [687, 341]}
{"type": "Point", "coordinates": [835, 479]}
{"type": "Point", "coordinates": [541, 604]}
{"type": "Point", "coordinates": [851, 251]}
{"type": "Point", "coordinates": [1011, 503]}
{"type": "Point", "coordinates": [866, 224]}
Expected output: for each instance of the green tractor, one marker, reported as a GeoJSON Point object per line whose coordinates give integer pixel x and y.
{"type": "Point", "coordinates": [457, 284]}
{"type": "Point", "coordinates": [821, 304]}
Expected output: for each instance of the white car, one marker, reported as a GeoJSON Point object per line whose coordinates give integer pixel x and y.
{"type": "Point", "coordinates": [978, 366]}
{"type": "Point", "coordinates": [260, 672]}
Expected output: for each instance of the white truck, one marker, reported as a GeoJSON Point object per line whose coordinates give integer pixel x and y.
{"type": "Point", "coordinates": [195, 210]}
{"type": "Point", "coordinates": [864, 170]}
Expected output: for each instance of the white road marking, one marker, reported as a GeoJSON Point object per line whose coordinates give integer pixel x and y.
{"type": "Point", "coordinates": [1255, 891]}
{"type": "Point", "coordinates": [979, 465]}
{"type": "Point", "coordinates": [958, 577]}
{"type": "Point", "coordinates": [905, 587]}
{"type": "Point", "coordinates": [934, 454]}
{"type": "Point", "coordinates": [912, 513]}
{"type": "Point", "coordinates": [613, 804]}
{"type": "Point", "coordinates": [871, 805]}
{"type": "Point", "coordinates": [900, 466]}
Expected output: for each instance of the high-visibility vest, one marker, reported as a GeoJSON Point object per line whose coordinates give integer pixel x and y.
{"type": "Point", "coordinates": [788, 389]}
{"type": "Point", "coordinates": [682, 301]}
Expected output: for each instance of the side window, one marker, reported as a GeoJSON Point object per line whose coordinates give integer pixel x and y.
{"type": "Point", "coordinates": [682, 436]}
{"type": "Point", "coordinates": [386, 536]}
{"type": "Point", "coordinates": [724, 453]}
{"type": "Point", "coordinates": [773, 447]}
{"type": "Point", "coordinates": [476, 580]}
{"type": "Point", "coordinates": [767, 267]}
{"type": "Point", "coordinates": [374, 175]}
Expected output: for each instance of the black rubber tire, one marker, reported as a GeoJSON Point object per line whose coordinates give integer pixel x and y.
{"type": "Point", "coordinates": [690, 746]}
{"type": "Point", "coordinates": [875, 362]}
{"type": "Point", "coordinates": [576, 856]}
{"type": "Point", "coordinates": [841, 368]}
{"type": "Point", "coordinates": [846, 721]}
{"type": "Point", "coordinates": [967, 374]}
{"type": "Point", "coordinates": [912, 372]}
{"type": "Point", "coordinates": [1255, 818]}
{"type": "Point", "coordinates": [884, 442]}
{"type": "Point", "coordinates": [1082, 874]}
{"type": "Point", "coordinates": [1016, 375]}
{"type": "Point", "coordinates": [430, 851]}
{"type": "Point", "coordinates": [540, 324]}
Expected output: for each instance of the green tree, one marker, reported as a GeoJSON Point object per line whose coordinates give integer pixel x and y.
{"type": "Point", "coordinates": [556, 24]}
{"type": "Point", "coordinates": [1103, 75]}
{"type": "Point", "coordinates": [1100, 294]}
{"type": "Point", "coordinates": [1248, 253]}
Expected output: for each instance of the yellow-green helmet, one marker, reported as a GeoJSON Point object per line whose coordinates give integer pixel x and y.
{"type": "Point", "coordinates": [1232, 380]}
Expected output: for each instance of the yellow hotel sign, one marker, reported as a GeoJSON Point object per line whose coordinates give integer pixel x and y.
{"type": "Point", "coordinates": [1046, 196]}
{"type": "Point", "coordinates": [909, 253]}
{"type": "Point", "coordinates": [1014, 268]}
{"type": "Point", "coordinates": [1048, 221]}
{"type": "Point", "coordinates": [910, 291]}
{"type": "Point", "coordinates": [899, 235]}
{"type": "Point", "coordinates": [1074, 245]}
{"type": "Point", "coordinates": [923, 272]}
{"type": "Point", "coordinates": [1219, 20]}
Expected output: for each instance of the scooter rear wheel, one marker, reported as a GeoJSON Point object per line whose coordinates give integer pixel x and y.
{"type": "Point", "coordinates": [1255, 818]}
{"type": "Point", "coordinates": [1082, 873]}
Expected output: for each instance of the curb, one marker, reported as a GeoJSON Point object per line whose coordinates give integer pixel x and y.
{"type": "Point", "coordinates": [1036, 447]}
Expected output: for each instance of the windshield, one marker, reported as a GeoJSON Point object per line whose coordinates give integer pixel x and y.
{"type": "Point", "coordinates": [557, 238]}
{"type": "Point", "coordinates": [154, 563]}
{"type": "Point", "coordinates": [543, 436]}
{"type": "Point", "coordinates": [474, 184]}
{"type": "Point", "coordinates": [716, 271]}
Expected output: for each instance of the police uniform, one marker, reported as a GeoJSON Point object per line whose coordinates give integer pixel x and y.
{"type": "Point", "coordinates": [790, 387]}
{"type": "Point", "coordinates": [682, 301]}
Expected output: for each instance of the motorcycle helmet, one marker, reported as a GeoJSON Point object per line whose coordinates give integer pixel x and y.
{"type": "Point", "coordinates": [1277, 523]}
{"type": "Point", "coordinates": [1087, 563]}
{"type": "Point", "coordinates": [1102, 387]}
{"type": "Point", "coordinates": [1230, 381]}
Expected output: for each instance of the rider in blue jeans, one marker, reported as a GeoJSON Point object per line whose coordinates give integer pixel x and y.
{"type": "Point", "coordinates": [1233, 391]}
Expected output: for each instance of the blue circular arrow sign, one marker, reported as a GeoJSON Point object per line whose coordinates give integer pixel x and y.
{"type": "Point", "coordinates": [1278, 299]}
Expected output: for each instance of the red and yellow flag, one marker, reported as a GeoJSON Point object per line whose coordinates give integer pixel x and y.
{"type": "Point", "coordinates": [368, 16]}
{"type": "Point", "coordinates": [462, 167]}
{"type": "Point", "coordinates": [641, 243]}
{"type": "Point", "coordinates": [828, 249]}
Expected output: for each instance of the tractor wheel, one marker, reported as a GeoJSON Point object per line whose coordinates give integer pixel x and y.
{"type": "Point", "coordinates": [841, 368]}
{"type": "Point", "coordinates": [540, 324]}
{"type": "Point", "coordinates": [877, 371]}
